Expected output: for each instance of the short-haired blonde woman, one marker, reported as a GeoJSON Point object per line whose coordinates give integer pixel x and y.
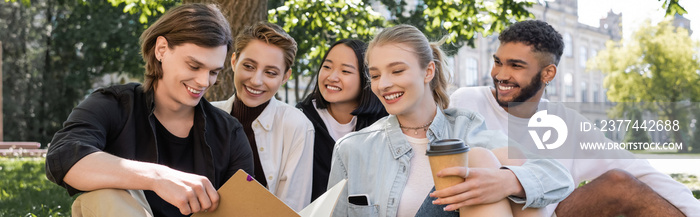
{"type": "Point", "coordinates": [280, 135]}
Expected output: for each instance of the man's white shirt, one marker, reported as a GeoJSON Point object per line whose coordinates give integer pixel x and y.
{"type": "Point", "coordinates": [481, 100]}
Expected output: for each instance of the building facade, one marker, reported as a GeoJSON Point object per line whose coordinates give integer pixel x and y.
{"type": "Point", "coordinates": [573, 82]}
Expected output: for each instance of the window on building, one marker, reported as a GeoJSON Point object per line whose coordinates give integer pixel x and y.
{"type": "Point", "coordinates": [471, 73]}
{"type": "Point", "coordinates": [605, 96]}
{"type": "Point", "coordinates": [486, 79]}
{"type": "Point", "coordinates": [450, 62]}
{"type": "Point", "coordinates": [569, 84]}
{"type": "Point", "coordinates": [583, 57]}
{"type": "Point", "coordinates": [595, 93]}
{"type": "Point", "coordinates": [568, 46]}
{"type": "Point", "coordinates": [552, 87]}
{"type": "Point", "coordinates": [584, 92]}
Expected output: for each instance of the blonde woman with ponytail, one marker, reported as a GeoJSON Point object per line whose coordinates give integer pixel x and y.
{"type": "Point", "coordinates": [386, 162]}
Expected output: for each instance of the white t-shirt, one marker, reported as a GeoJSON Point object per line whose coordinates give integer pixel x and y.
{"type": "Point", "coordinates": [420, 179]}
{"type": "Point", "coordinates": [481, 100]}
{"type": "Point", "coordinates": [335, 129]}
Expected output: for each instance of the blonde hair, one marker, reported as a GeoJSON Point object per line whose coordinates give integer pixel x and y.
{"type": "Point", "coordinates": [201, 24]}
{"type": "Point", "coordinates": [424, 50]}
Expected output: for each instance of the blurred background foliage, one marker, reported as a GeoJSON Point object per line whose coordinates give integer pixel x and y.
{"type": "Point", "coordinates": [657, 64]}
{"type": "Point", "coordinates": [55, 52]}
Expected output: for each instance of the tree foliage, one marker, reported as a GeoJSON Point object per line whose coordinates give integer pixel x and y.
{"type": "Point", "coordinates": [145, 9]}
{"type": "Point", "coordinates": [316, 24]}
{"type": "Point", "coordinates": [659, 64]}
{"type": "Point", "coordinates": [673, 7]}
{"type": "Point", "coordinates": [240, 14]}
{"type": "Point", "coordinates": [634, 114]}
{"type": "Point", "coordinates": [695, 126]}
{"type": "Point", "coordinates": [53, 53]}
{"type": "Point", "coordinates": [459, 20]}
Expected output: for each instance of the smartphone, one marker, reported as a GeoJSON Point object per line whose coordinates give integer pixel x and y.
{"type": "Point", "coordinates": [359, 199]}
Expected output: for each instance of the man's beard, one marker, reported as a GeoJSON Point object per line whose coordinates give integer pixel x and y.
{"type": "Point", "coordinates": [526, 92]}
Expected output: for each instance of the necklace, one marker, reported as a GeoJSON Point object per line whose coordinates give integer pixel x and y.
{"type": "Point", "coordinates": [415, 129]}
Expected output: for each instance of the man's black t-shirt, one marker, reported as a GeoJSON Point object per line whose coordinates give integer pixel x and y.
{"type": "Point", "coordinates": [176, 153]}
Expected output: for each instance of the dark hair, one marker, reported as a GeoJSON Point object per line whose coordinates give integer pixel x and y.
{"type": "Point", "coordinates": [538, 34]}
{"type": "Point", "coordinates": [414, 40]}
{"type": "Point", "coordinates": [200, 24]}
{"type": "Point", "coordinates": [368, 103]}
{"type": "Point", "coordinates": [271, 34]}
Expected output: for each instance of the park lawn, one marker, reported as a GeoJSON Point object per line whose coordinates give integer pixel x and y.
{"type": "Point", "coordinates": [25, 191]}
{"type": "Point", "coordinates": [689, 180]}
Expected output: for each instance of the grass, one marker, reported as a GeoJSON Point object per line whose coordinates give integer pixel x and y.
{"type": "Point", "coordinates": [25, 191]}
{"type": "Point", "coordinates": [688, 180]}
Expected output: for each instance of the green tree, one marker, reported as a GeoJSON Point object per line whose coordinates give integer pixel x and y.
{"type": "Point", "coordinates": [54, 51]}
{"type": "Point", "coordinates": [20, 68]}
{"type": "Point", "coordinates": [460, 20]}
{"type": "Point", "coordinates": [658, 64]}
{"type": "Point", "coordinates": [315, 24]}
{"type": "Point", "coordinates": [239, 13]}
{"type": "Point", "coordinates": [635, 134]}
{"type": "Point", "coordinates": [673, 7]}
{"type": "Point", "coordinates": [695, 126]}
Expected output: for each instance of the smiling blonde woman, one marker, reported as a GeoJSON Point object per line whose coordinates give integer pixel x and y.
{"type": "Point", "coordinates": [386, 161]}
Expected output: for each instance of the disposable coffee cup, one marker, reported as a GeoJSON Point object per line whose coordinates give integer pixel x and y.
{"type": "Point", "coordinates": [448, 153]}
{"type": "Point", "coordinates": [443, 154]}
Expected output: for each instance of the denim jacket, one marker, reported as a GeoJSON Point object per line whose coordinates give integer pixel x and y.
{"type": "Point", "coordinates": [376, 161]}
